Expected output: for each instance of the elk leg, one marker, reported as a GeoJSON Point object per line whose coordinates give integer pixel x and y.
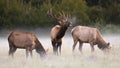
{"type": "Point", "coordinates": [12, 51]}
{"type": "Point", "coordinates": [92, 47]}
{"type": "Point", "coordinates": [80, 46]}
{"type": "Point", "coordinates": [59, 44]}
{"type": "Point", "coordinates": [31, 53]}
{"type": "Point", "coordinates": [27, 52]}
{"type": "Point", "coordinates": [54, 47]}
{"type": "Point", "coordinates": [30, 50]}
{"type": "Point", "coordinates": [75, 42]}
{"type": "Point", "coordinates": [57, 49]}
{"type": "Point", "coordinates": [60, 49]}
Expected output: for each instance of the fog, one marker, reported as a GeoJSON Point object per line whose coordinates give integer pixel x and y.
{"type": "Point", "coordinates": [44, 37]}
{"type": "Point", "coordinates": [67, 59]}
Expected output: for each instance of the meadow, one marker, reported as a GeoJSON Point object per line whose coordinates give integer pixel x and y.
{"type": "Point", "coordinates": [67, 59]}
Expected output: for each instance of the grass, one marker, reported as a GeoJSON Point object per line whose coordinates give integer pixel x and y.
{"type": "Point", "coordinates": [67, 60]}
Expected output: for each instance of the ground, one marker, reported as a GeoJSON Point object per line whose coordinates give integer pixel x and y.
{"type": "Point", "coordinates": [98, 59]}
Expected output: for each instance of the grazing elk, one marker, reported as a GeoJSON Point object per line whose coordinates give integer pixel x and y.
{"type": "Point", "coordinates": [58, 31]}
{"type": "Point", "coordinates": [25, 40]}
{"type": "Point", "coordinates": [85, 34]}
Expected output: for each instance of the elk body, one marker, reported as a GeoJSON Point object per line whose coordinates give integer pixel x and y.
{"type": "Point", "coordinates": [25, 40]}
{"type": "Point", "coordinates": [58, 31]}
{"type": "Point", "coordinates": [84, 34]}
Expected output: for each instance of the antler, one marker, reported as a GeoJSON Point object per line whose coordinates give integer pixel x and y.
{"type": "Point", "coordinates": [50, 14]}
{"type": "Point", "coordinates": [61, 17]}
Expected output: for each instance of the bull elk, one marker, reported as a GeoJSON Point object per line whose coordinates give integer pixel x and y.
{"type": "Point", "coordinates": [58, 31]}
{"type": "Point", "coordinates": [85, 34]}
{"type": "Point", "coordinates": [25, 40]}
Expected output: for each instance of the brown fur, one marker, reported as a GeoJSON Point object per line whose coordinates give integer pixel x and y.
{"type": "Point", "coordinates": [85, 34]}
{"type": "Point", "coordinates": [25, 40]}
{"type": "Point", "coordinates": [58, 31]}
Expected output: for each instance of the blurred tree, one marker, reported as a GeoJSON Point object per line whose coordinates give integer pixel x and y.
{"type": "Point", "coordinates": [92, 2]}
{"type": "Point", "coordinates": [26, 1]}
{"type": "Point", "coordinates": [77, 8]}
{"type": "Point", "coordinates": [32, 13]}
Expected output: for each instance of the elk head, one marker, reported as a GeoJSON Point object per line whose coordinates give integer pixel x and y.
{"type": "Point", "coordinates": [62, 19]}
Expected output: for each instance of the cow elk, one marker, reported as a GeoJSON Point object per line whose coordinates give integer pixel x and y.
{"type": "Point", "coordinates": [58, 31]}
{"type": "Point", "coordinates": [25, 40]}
{"type": "Point", "coordinates": [84, 34]}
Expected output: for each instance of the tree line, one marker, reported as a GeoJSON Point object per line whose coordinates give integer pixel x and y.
{"type": "Point", "coordinates": [32, 13]}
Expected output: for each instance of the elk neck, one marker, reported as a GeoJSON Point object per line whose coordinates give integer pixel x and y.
{"type": "Point", "coordinates": [39, 47]}
{"type": "Point", "coordinates": [62, 31]}
{"type": "Point", "coordinates": [102, 44]}
{"type": "Point", "coordinates": [100, 41]}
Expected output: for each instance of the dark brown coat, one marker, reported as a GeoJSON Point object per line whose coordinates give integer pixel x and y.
{"type": "Point", "coordinates": [58, 31]}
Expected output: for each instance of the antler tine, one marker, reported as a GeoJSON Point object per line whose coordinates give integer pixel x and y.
{"type": "Point", "coordinates": [63, 14]}
{"type": "Point", "coordinates": [60, 14]}
{"type": "Point", "coordinates": [67, 15]}
{"type": "Point", "coordinates": [50, 14]}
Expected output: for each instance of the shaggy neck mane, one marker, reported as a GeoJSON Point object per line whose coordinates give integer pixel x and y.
{"type": "Point", "coordinates": [62, 31]}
